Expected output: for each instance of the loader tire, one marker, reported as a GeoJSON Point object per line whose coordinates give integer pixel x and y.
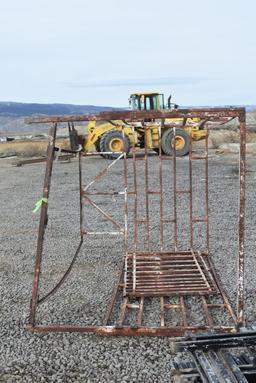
{"type": "Point", "coordinates": [113, 141]}
{"type": "Point", "coordinates": [97, 147]}
{"type": "Point", "coordinates": [181, 140]}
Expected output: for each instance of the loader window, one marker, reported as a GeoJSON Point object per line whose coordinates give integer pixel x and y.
{"type": "Point", "coordinates": [134, 102]}
{"type": "Point", "coordinates": [147, 102]}
{"type": "Point", "coordinates": [158, 101]}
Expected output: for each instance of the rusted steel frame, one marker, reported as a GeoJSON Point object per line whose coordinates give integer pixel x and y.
{"type": "Point", "coordinates": [190, 192]}
{"type": "Point", "coordinates": [161, 183]}
{"type": "Point", "coordinates": [200, 271]}
{"type": "Point", "coordinates": [184, 321]}
{"type": "Point", "coordinates": [213, 275]}
{"type": "Point", "coordinates": [140, 313]}
{"type": "Point", "coordinates": [103, 172]}
{"type": "Point", "coordinates": [241, 261]}
{"type": "Point", "coordinates": [142, 115]}
{"type": "Point", "coordinates": [115, 193]}
{"type": "Point", "coordinates": [116, 289]}
{"type": "Point", "coordinates": [189, 291]}
{"type": "Point", "coordinates": [62, 280]}
{"type": "Point", "coordinates": [125, 181]}
{"type": "Point", "coordinates": [107, 216]}
{"type": "Point", "coordinates": [175, 193]}
{"type": "Point", "coordinates": [207, 189]}
{"type": "Point", "coordinates": [206, 218]}
{"type": "Point", "coordinates": [42, 224]}
{"type": "Point", "coordinates": [125, 274]}
{"type": "Point", "coordinates": [134, 169]}
{"type": "Point", "coordinates": [81, 205]}
{"type": "Point", "coordinates": [173, 253]}
{"type": "Point", "coordinates": [103, 232]}
{"type": "Point", "coordinates": [121, 318]}
{"type": "Point", "coordinates": [97, 154]}
{"type": "Point", "coordinates": [206, 312]}
{"type": "Point", "coordinates": [133, 273]}
{"type": "Point", "coordinates": [166, 286]}
{"type": "Point", "coordinates": [162, 311]}
{"type": "Point", "coordinates": [172, 331]}
{"type": "Point", "coordinates": [146, 175]}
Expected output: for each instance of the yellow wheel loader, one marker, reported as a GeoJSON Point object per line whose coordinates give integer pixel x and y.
{"type": "Point", "coordinates": [108, 136]}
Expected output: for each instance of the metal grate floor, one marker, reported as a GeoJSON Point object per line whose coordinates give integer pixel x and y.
{"type": "Point", "coordinates": [159, 274]}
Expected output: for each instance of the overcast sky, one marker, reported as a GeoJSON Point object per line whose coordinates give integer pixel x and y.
{"type": "Point", "coordinates": [99, 51]}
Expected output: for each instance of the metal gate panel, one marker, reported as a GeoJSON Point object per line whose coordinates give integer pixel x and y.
{"type": "Point", "coordinates": [166, 258]}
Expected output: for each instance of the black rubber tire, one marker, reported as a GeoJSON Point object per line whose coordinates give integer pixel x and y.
{"type": "Point", "coordinates": [97, 146]}
{"type": "Point", "coordinates": [167, 138]}
{"type": "Point", "coordinates": [106, 139]}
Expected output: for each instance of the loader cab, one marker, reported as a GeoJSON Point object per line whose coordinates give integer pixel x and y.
{"type": "Point", "coordinates": [146, 101]}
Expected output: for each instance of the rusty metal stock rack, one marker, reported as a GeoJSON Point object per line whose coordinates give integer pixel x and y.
{"type": "Point", "coordinates": [169, 276]}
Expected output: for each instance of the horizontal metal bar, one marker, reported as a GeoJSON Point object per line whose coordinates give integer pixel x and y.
{"type": "Point", "coordinates": [196, 220]}
{"type": "Point", "coordinates": [164, 278]}
{"type": "Point", "coordinates": [169, 306]}
{"type": "Point", "coordinates": [174, 270]}
{"type": "Point", "coordinates": [130, 331]}
{"type": "Point", "coordinates": [142, 115]}
{"type": "Point", "coordinates": [115, 193]}
{"type": "Point", "coordinates": [164, 260]}
{"type": "Point", "coordinates": [132, 306]}
{"type": "Point", "coordinates": [164, 253]}
{"type": "Point", "coordinates": [153, 192]}
{"type": "Point", "coordinates": [103, 232]}
{"type": "Point", "coordinates": [168, 220]}
{"type": "Point", "coordinates": [174, 292]}
{"type": "Point", "coordinates": [91, 154]}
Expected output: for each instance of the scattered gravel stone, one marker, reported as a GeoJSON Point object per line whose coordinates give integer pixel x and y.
{"type": "Point", "coordinates": [27, 357]}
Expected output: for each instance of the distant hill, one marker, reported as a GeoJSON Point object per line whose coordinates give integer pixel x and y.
{"type": "Point", "coordinates": [22, 109]}
{"type": "Point", "coordinates": [12, 115]}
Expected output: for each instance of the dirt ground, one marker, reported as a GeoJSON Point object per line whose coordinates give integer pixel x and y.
{"type": "Point", "coordinates": [26, 357]}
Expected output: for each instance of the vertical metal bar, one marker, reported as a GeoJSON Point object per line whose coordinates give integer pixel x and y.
{"type": "Point", "coordinates": [81, 196]}
{"type": "Point", "coordinates": [116, 289]}
{"type": "Point", "coordinates": [183, 312]}
{"type": "Point", "coordinates": [134, 273]}
{"type": "Point", "coordinates": [123, 309]}
{"type": "Point", "coordinates": [140, 313]}
{"type": "Point", "coordinates": [241, 264]}
{"type": "Point", "coordinates": [161, 182]}
{"type": "Point", "coordinates": [146, 186]}
{"type": "Point", "coordinates": [43, 223]}
{"type": "Point", "coordinates": [207, 191]}
{"type": "Point", "coordinates": [206, 312]}
{"type": "Point", "coordinates": [135, 223]}
{"type": "Point", "coordinates": [125, 272]}
{"type": "Point", "coordinates": [125, 199]}
{"type": "Point", "coordinates": [175, 192]}
{"type": "Point", "coordinates": [162, 311]}
{"type": "Point", "coordinates": [190, 192]}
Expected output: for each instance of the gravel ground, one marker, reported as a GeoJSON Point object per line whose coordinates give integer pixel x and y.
{"type": "Point", "coordinates": [26, 357]}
